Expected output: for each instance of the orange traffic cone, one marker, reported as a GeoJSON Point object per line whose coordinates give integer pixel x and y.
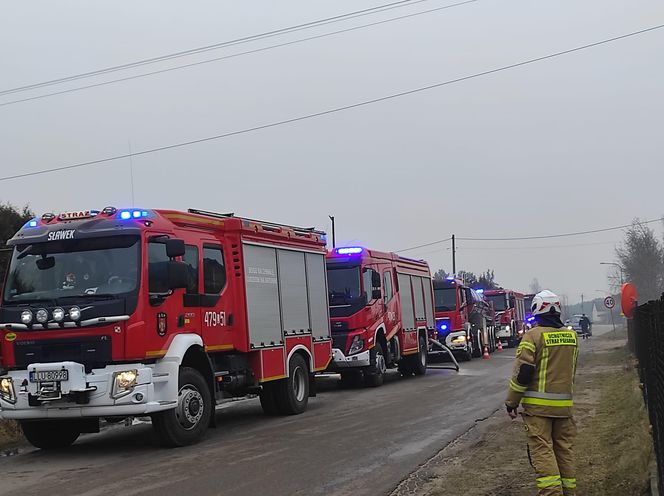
{"type": "Point", "coordinates": [500, 345]}
{"type": "Point", "coordinates": [486, 353]}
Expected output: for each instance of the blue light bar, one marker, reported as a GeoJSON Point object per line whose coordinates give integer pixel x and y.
{"type": "Point", "coordinates": [32, 223]}
{"type": "Point", "coordinates": [351, 250]}
{"type": "Point", "coordinates": [450, 278]}
{"type": "Point", "coordinates": [135, 214]}
{"type": "Point", "coordinates": [480, 291]}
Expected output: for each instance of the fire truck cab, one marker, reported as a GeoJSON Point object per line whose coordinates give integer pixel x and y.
{"type": "Point", "coordinates": [381, 309]}
{"type": "Point", "coordinates": [120, 313]}
{"type": "Point", "coordinates": [510, 314]}
{"type": "Point", "coordinates": [464, 320]}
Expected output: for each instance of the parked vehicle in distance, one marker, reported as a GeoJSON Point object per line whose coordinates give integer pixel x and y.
{"type": "Point", "coordinates": [510, 314]}
{"type": "Point", "coordinates": [464, 319]}
{"type": "Point", "coordinates": [130, 312]}
{"type": "Point", "coordinates": [381, 310]}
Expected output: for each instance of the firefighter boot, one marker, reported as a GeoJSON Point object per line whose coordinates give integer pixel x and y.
{"type": "Point", "coordinates": [564, 435]}
{"type": "Point", "coordinates": [540, 444]}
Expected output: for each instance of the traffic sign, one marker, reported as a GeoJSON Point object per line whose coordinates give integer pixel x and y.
{"type": "Point", "coordinates": [609, 302]}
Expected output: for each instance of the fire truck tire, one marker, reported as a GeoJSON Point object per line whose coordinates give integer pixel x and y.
{"type": "Point", "coordinates": [187, 423]}
{"type": "Point", "coordinates": [374, 376]}
{"type": "Point", "coordinates": [421, 359]}
{"type": "Point", "coordinates": [268, 399]}
{"type": "Point", "coordinates": [292, 393]}
{"type": "Point", "coordinates": [478, 346]}
{"type": "Point", "coordinates": [51, 434]}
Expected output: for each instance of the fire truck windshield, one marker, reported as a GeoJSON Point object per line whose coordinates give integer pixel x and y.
{"type": "Point", "coordinates": [102, 267]}
{"type": "Point", "coordinates": [445, 299]}
{"type": "Point", "coordinates": [499, 302]}
{"type": "Point", "coordinates": [343, 285]}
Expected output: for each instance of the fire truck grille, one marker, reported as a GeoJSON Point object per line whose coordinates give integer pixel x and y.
{"type": "Point", "coordinates": [339, 340]}
{"type": "Point", "coordinates": [91, 351]}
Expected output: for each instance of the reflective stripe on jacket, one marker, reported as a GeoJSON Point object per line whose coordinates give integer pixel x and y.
{"type": "Point", "coordinates": [543, 377]}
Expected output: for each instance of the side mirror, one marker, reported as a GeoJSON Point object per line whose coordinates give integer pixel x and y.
{"type": "Point", "coordinates": [45, 263]}
{"type": "Point", "coordinates": [178, 274]}
{"type": "Point", "coordinates": [375, 294]}
{"type": "Point", "coordinates": [174, 248]}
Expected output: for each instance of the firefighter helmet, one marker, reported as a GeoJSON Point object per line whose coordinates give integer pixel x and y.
{"type": "Point", "coordinates": [546, 302]}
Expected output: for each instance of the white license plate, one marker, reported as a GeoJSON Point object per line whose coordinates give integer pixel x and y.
{"type": "Point", "coordinates": [49, 376]}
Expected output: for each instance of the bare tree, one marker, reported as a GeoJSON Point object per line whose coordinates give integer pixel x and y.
{"type": "Point", "coordinates": [535, 286]}
{"type": "Point", "coordinates": [642, 257]}
{"type": "Point", "coordinates": [11, 220]}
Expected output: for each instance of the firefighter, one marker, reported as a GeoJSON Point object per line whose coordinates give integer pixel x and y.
{"type": "Point", "coordinates": [542, 382]}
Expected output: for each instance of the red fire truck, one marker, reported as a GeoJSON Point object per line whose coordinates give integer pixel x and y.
{"type": "Point", "coordinates": [464, 319]}
{"type": "Point", "coordinates": [510, 314]}
{"type": "Point", "coordinates": [121, 313]}
{"type": "Point", "coordinates": [381, 309]}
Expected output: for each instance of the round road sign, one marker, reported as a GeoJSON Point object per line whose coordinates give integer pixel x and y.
{"type": "Point", "coordinates": [609, 302]}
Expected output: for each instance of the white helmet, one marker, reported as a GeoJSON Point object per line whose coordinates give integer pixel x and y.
{"type": "Point", "coordinates": [545, 302]}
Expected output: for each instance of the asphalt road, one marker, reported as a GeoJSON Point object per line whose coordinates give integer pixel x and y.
{"type": "Point", "coordinates": [359, 442]}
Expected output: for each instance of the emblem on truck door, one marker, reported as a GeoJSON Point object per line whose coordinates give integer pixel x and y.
{"type": "Point", "coordinates": [161, 324]}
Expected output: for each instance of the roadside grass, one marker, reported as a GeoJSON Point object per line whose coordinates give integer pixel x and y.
{"type": "Point", "coordinates": [10, 435]}
{"type": "Point", "coordinates": [614, 448]}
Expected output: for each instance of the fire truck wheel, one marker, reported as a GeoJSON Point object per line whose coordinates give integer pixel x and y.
{"type": "Point", "coordinates": [268, 399]}
{"type": "Point", "coordinates": [293, 392]}
{"type": "Point", "coordinates": [478, 346]}
{"type": "Point", "coordinates": [51, 434]}
{"type": "Point", "coordinates": [186, 423]}
{"type": "Point", "coordinates": [375, 374]}
{"type": "Point", "coordinates": [421, 359]}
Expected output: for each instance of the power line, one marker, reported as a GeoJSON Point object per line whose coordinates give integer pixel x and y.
{"type": "Point", "coordinates": [240, 54]}
{"type": "Point", "coordinates": [524, 238]}
{"type": "Point", "coordinates": [216, 46]}
{"type": "Point", "coordinates": [564, 235]}
{"type": "Point", "coordinates": [332, 110]}
{"type": "Point", "coordinates": [424, 245]}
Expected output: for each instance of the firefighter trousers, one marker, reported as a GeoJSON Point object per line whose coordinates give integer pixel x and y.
{"type": "Point", "coordinates": [550, 446]}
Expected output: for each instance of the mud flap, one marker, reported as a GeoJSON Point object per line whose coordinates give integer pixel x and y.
{"type": "Point", "coordinates": [312, 386]}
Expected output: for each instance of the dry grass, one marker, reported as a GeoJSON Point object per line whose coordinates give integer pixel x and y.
{"type": "Point", "coordinates": [613, 449]}
{"type": "Point", "coordinates": [10, 435]}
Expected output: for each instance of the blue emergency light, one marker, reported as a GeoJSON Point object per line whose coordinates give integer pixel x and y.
{"type": "Point", "coordinates": [350, 250]}
{"type": "Point", "coordinates": [135, 214]}
{"type": "Point", "coordinates": [32, 223]}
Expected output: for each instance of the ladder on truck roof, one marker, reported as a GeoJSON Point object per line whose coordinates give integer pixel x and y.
{"type": "Point", "coordinates": [231, 215]}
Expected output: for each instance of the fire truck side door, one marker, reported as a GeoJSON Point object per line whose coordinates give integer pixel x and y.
{"type": "Point", "coordinates": [216, 304]}
{"type": "Point", "coordinates": [391, 304]}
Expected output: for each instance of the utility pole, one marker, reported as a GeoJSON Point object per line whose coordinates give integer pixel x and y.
{"type": "Point", "coordinates": [453, 255]}
{"type": "Point", "coordinates": [334, 241]}
{"type": "Point", "coordinates": [620, 267]}
{"type": "Point", "coordinates": [582, 309]}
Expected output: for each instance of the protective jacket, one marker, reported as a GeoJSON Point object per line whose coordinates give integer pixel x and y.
{"type": "Point", "coordinates": [543, 377]}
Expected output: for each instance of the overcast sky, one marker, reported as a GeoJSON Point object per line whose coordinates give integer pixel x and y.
{"type": "Point", "coordinates": [552, 147]}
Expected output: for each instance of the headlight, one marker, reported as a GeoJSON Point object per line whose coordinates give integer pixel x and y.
{"type": "Point", "coordinates": [58, 314]}
{"type": "Point", "coordinates": [459, 340]}
{"type": "Point", "coordinates": [507, 328]}
{"type": "Point", "coordinates": [74, 313]}
{"type": "Point", "coordinates": [356, 346]}
{"type": "Point", "coordinates": [124, 382]}
{"type": "Point", "coordinates": [42, 316]}
{"type": "Point", "coordinates": [7, 389]}
{"type": "Point", "coordinates": [26, 317]}
{"type": "Point", "coordinates": [570, 327]}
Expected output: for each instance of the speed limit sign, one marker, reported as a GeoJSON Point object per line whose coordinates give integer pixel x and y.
{"type": "Point", "coordinates": [609, 302]}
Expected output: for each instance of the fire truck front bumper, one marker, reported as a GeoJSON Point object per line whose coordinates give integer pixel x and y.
{"type": "Point", "coordinates": [341, 361]}
{"type": "Point", "coordinates": [65, 390]}
{"type": "Point", "coordinates": [457, 341]}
